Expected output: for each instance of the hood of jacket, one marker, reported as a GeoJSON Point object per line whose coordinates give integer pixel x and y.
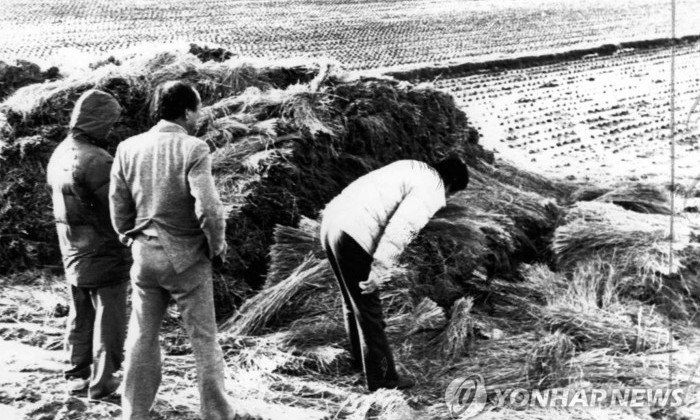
{"type": "Point", "coordinates": [95, 113]}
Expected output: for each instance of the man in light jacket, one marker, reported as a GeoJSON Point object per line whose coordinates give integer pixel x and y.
{"type": "Point", "coordinates": [164, 204]}
{"type": "Point", "coordinates": [364, 230]}
{"type": "Point", "coordinates": [96, 264]}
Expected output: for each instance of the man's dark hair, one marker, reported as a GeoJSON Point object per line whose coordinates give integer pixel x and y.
{"type": "Point", "coordinates": [454, 173]}
{"type": "Point", "coordinates": [171, 99]}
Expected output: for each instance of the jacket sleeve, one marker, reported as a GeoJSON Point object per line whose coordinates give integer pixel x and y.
{"type": "Point", "coordinates": [420, 203]}
{"type": "Point", "coordinates": [208, 207]}
{"type": "Point", "coordinates": [122, 208]}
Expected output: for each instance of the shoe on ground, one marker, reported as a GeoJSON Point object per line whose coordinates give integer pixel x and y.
{"type": "Point", "coordinates": [77, 386]}
{"type": "Point", "coordinates": [402, 382]}
{"type": "Point", "coordinates": [113, 398]}
{"type": "Point", "coordinates": [106, 393]}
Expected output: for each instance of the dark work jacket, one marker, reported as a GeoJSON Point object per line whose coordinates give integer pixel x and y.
{"type": "Point", "coordinates": [78, 175]}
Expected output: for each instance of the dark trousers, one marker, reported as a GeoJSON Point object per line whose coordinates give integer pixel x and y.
{"type": "Point", "coordinates": [95, 334]}
{"type": "Point", "coordinates": [364, 321]}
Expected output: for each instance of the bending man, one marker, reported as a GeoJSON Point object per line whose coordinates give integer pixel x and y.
{"type": "Point", "coordinates": [364, 230]}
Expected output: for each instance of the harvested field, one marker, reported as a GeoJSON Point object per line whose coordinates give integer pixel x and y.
{"type": "Point", "coordinates": [600, 118]}
{"type": "Point", "coordinates": [363, 34]}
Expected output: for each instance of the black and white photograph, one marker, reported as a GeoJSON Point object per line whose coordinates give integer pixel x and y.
{"type": "Point", "coordinates": [349, 210]}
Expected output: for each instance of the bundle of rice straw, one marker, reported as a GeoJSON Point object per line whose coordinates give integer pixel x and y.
{"type": "Point", "coordinates": [636, 244]}
{"type": "Point", "coordinates": [603, 366]}
{"type": "Point", "coordinates": [506, 173]}
{"type": "Point", "coordinates": [315, 330]}
{"type": "Point", "coordinates": [548, 359]}
{"type": "Point", "coordinates": [640, 198]}
{"type": "Point", "coordinates": [291, 246]}
{"type": "Point", "coordinates": [460, 330]}
{"type": "Point", "coordinates": [272, 353]}
{"type": "Point", "coordinates": [588, 192]}
{"type": "Point", "coordinates": [587, 413]}
{"type": "Point", "coordinates": [383, 404]}
{"type": "Point", "coordinates": [603, 329]}
{"type": "Point", "coordinates": [257, 311]}
{"type": "Point", "coordinates": [542, 279]}
{"type": "Point", "coordinates": [503, 363]}
{"type": "Point", "coordinates": [426, 316]}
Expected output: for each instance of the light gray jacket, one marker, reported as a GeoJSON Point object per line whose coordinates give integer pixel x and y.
{"type": "Point", "coordinates": [161, 180]}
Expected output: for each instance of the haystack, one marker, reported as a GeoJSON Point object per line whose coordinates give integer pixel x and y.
{"type": "Point", "coordinates": [38, 114]}
{"type": "Point", "coordinates": [287, 139]}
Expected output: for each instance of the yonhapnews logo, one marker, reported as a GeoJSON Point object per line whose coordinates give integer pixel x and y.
{"type": "Point", "coordinates": [466, 397]}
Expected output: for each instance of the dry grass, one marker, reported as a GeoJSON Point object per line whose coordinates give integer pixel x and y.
{"type": "Point", "coordinates": [291, 244]}
{"type": "Point", "coordinates": [257, 311]}
{"type": "Point", "coordinates": [460, 330]}
{"type": "Point", "coordinates": [636, 244]}
{"type": "Point", "coordinates": [384, 404]}
{"type": "Point", "coordinates": [641, 198]}
{"type": "Point", "coordinates": [548, 358]}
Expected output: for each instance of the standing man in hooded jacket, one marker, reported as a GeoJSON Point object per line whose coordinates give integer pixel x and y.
{"type": "Point", "coordinates": [96, 264]}
{"type": "Point", "coordinates": [364, 231]}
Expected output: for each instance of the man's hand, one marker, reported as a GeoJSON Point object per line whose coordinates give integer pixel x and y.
{"type": "Point", "coordinates": [378, 275]}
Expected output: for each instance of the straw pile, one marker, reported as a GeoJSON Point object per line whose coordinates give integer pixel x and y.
{"type": "Point", "coordinates": [22, 73]}
{"type": "Point", "coordinates": [286, 139]}
{"type": "Point", "coordinates": [27, 233]}
{"type": "Point", "coordinates": [35, 117]}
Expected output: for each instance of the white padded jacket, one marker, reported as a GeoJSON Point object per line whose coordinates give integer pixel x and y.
{"type": "Point", "coordinates": [386, 208]}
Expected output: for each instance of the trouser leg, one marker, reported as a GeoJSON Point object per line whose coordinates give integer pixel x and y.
{"type": "Point", "coordinates": [142, 364]}
{"type": "Point", "coordinates": [354, 265]}
{"type": "Point", "coordinates": [79, 329]}
{"type": "Point", "coordinates": [197, 310]}
{"type": "Point", "coordinates": [348, 312]}
{"type": "Point", "coordinates": [108, 337]}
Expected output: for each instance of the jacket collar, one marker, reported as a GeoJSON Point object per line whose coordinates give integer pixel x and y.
{"type": "Point", "coordinates": [165, 126]}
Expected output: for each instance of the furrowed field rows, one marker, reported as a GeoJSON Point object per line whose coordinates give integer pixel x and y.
{"type": "Point", "coordinates": [602, 118]}
{"type": "Point", "coordinates": [362, 34]}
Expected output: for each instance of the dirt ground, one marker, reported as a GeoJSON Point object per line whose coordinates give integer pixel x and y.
{"type": "Point", "coordinates": [31, 381]}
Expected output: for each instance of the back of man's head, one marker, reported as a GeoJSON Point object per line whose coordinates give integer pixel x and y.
{"type": "Point", "coordinates": [454, 173]}
{"type": "Point", "coordinates": [172, 99]}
